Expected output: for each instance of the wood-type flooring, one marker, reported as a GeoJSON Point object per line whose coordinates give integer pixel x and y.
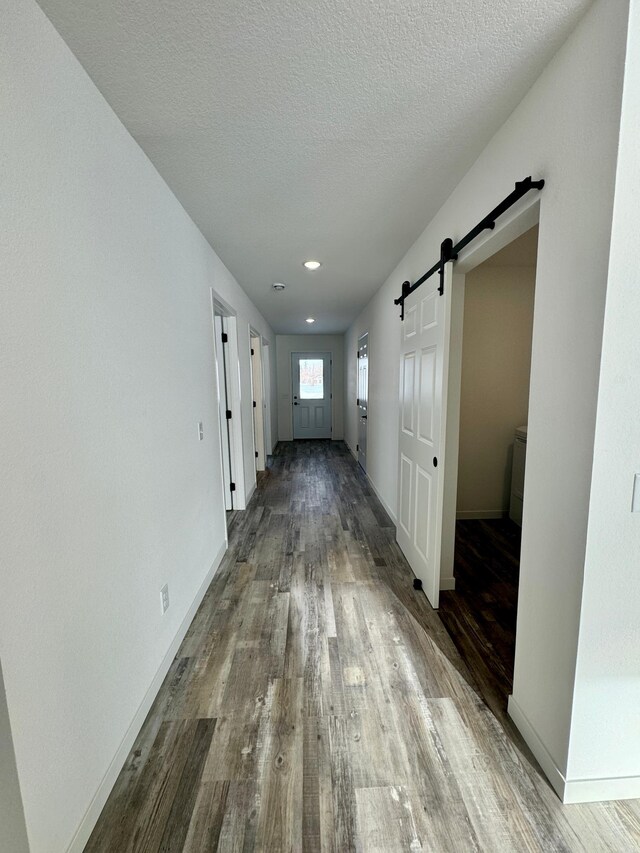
{"type": "Point", "coordinates": [480, 614]}
{"type": "Point", "coordinates": [317, 703]}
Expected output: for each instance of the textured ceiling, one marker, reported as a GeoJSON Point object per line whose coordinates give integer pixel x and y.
{"type": "Point", "coordinates": [295, 129]}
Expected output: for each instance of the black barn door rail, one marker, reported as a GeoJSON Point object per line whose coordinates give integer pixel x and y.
{"type": "Point", "coordinates": [450, 252]}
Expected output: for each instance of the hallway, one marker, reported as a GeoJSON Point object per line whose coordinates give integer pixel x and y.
{"type": "Point", "coordinates": [317, 703]}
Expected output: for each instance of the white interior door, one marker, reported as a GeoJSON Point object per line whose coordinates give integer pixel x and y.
{"type": "Point", "coordinates": [266, 397]}
{"type": "Point", "coordinates": [363, 398]}
{"type": "Point", "coordinates": [258, 402]}
{"type": "Point", "coordinates": [424, 363]}
{"type": "Point", "coordinates": [311, 377]}
{"type": "Point", "coordinates": [223, 406]}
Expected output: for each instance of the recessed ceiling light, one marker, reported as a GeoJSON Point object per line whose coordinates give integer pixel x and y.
{"type": "Point", "coordinates": [310, 320]}
{"type": "Point", "coordinates": [312, 265]}
{"type": "Point", "coordinates": [278, 286]}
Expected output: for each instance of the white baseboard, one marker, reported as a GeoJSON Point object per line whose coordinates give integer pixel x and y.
{"type": "Point", "coordinates": [537, 747]}
{"type": "Point", "coordinates": [572, 791]}
{"type": "Point", "coordinates": [479, 514]}
{"type": "Point", "coordinates": [388, 510]}
{"type": "Point", "coordinates": [92, 814]}
{"type": "Point", "coordinates": [249, 495]}
{"type": "Point", "coordinates": [447, 583]}
{"type": "Point", "coordinates": [599, 790]}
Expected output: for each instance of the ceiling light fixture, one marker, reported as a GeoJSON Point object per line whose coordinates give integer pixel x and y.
{"type": "Point", "coordinates": [278, 286]}
{"type": "Point", "coordinates": [310, 320]}
{"type": "Point", "coordinates": [312, 265]}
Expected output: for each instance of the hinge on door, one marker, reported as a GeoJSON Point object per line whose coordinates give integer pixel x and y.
{"type": "Point", "coordinates": [256, 454]}
{"type": "Point", "coordinates": [254, 404]}
{"type": "Point", "coordinates": [228, 415]}
{"type": "Point", "coordinates": [358, 401]}
{"type": "Point", "coordinates": [358, 353]}
{"type": "Point", "coordinates": [253, 352]}
{"type": "Point", "coordinates": [225, 338]}
{"type": "Point", "coordinates": [232, 487]}
{"type": "Point", "coordinates": [357, 447]}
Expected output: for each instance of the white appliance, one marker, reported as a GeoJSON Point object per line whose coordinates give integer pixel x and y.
{"type": "Point", "coordinates": [517, 474]}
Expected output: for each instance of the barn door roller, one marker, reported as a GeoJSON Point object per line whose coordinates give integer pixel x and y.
{"type": "Point", "coordinates": [450, 252]}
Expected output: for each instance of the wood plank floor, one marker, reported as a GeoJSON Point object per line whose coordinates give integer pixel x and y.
{"type": "Point", "coordinates": [318, 704]}
{"type": "Point", "coordinates": [480, 614]}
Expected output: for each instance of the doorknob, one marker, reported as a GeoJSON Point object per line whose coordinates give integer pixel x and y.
{"type": "Point", "coordinates": [295, 404]}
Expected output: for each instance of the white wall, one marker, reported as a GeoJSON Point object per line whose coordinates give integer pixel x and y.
{"type": "Point", "coordinates": [285, 345]}
{"type": "Point", "coordinates": [605, 740]}
{"type": "Point", "coordinates": [564, 130]}
{"type": "Point", "coordinates": [270, 382]}
{"type": "Point", "coordinates": [496, 363]}
{"type": "Point", "coordinates": [106, 366]}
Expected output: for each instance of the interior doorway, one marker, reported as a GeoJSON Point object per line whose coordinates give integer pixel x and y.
{"type": "Point", "coordinates": [496, 330]}
{"type": "Point", "coordinates": [257, 392]}
{"type": "Point", "coordinates": [363, 398]}
{"type": "Point", "coordinates": [311, 391]}
{"type": "Point", "coordinates": [266, 388]}
{"type": "Point", "coordinates": [225, 337]}
{"type": "Point", "coordinates": [224, 405]}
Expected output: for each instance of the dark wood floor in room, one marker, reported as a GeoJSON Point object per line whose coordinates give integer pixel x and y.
{"type": "Point", "coordinates": [480, 615]}
{"type": "Point", "coordinates": [318, 704]}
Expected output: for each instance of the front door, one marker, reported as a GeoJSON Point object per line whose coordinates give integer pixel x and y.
{"type": "Point", "coordinates": [311, 375]}
{"type": "Point", "coordinates": [424, 364]}
{"type": "Point", "coordinates": [363, 398]}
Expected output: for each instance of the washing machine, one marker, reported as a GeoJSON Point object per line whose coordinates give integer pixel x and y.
{"type": "Point", "coordinates": [517, 474]}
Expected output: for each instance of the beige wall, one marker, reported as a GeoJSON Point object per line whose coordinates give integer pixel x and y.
{"type": "Point", "coordinates": [285, 345]}
{"type": "Point", "coordinates": [496, 363]}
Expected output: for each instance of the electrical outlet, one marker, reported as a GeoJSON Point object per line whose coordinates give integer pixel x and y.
{"type": "Point", "coordinates": [164, 598]}
{"type": "Point", "coordinates": [200, 431]}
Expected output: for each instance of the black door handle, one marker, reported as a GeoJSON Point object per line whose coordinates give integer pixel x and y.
{"type": "Point", "coordinates": [364, 417]}
{"type": "Point", "coordinates": [295, 404]}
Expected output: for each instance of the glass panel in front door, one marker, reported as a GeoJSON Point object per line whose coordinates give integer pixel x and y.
{"type": "Point", "coordinates": [311, 379]}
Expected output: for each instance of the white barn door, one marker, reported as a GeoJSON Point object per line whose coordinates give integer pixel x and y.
{"type": "Point", "coordinates": [424, 363]}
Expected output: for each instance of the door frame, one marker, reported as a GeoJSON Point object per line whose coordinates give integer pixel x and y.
{"type": "Point", "coordinates": [219, 306]}
{"type": "Point", "coordinates": [519, 219]}
{"type": "Point", "coordinates": [292, 377]}
{"type": "Point", "coordinates": [358, 450]}
{"type": "Point", "coordinates": [266, 387]}
{"type": "Point", "coordinates": [258, 397]}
